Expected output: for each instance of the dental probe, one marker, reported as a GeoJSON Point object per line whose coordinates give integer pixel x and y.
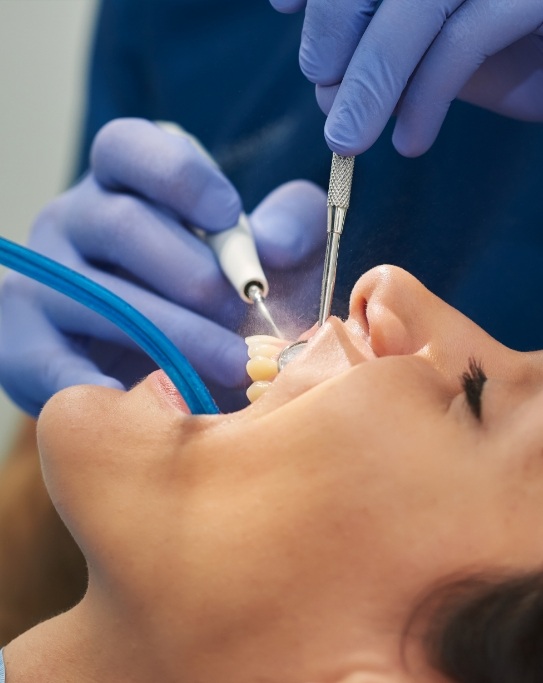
{"type": "Point", "coordinates": [234, 247]}
{"type": "Point", "coordinates": [339, 194]}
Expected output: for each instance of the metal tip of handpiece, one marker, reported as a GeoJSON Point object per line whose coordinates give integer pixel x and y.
{"type": "Point", "coordinates": [255, 293]}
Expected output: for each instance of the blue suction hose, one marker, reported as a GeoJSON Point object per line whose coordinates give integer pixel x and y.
{"type": "Point", "coordinates": [120, 313]}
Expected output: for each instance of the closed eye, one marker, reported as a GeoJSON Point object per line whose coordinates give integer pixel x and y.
{"type": "Point", "coordinates": [473, 380]}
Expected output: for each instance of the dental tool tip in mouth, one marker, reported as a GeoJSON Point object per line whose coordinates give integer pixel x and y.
{"type": "Point", "coordinates": [255, 292]}
{"type": "Point", "coordinates": [289, 353]}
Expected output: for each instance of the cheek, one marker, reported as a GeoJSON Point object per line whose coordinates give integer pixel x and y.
{"type": "Point", "coordinates": [260, 523]}
{"type": "Point", "coordinates": [89, 453]}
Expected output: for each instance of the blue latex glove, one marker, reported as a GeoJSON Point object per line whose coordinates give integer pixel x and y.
{"type": "Point", "coordinates": [413, 57]}
{"type": "Point", "coordinates": [123, 226]}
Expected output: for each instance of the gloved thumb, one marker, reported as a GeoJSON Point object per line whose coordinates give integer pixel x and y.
{"type": "Point", "coordinates": [289, 225]}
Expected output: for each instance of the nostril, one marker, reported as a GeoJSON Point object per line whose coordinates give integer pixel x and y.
{"type": "Point", "coordinates": [364, 317]}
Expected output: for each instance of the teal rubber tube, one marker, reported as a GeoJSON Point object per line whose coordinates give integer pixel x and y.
{"type": "Point", "coordinates": [139, 328]}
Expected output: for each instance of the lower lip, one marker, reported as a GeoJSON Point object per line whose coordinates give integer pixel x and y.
{"type": "Point", "coordinates": [164, 386]}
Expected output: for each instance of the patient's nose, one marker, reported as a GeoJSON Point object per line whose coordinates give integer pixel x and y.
{"type": "Point", "coordinates": [400, 315]}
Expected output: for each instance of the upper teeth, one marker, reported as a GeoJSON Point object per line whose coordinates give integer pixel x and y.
{"type": "Point", "coordinates": [263, 351]}
{"type": "Point", "coordinates": [262, 368]}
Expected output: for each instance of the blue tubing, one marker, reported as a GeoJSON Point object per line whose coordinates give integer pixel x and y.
{"type": "Point", "coordinates": [119, 312]}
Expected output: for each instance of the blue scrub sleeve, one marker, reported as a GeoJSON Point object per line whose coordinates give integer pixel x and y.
{"type": "Point", "coordinates": [2, 669]}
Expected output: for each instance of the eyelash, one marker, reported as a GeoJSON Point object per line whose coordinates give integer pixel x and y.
{"type": "Point", "coordinates": [473, 380]}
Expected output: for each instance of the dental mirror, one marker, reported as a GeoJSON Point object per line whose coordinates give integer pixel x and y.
{"type": "Point", "coordinates": [289, 353]}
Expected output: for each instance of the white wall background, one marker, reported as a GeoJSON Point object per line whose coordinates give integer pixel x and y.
{"type": "Point", "coordinates": [43, 57]}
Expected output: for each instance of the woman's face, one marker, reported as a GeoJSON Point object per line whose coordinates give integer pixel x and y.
{"type": "Point", "coordinates": [359, 479]}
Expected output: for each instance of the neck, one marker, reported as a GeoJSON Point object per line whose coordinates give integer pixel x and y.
{"type": "Point", "coordinates": [79, 645]}
{"type": "Point", "coordinates": [89, 644]}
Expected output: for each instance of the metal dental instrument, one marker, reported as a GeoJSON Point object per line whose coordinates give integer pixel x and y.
{"type": "Point", "coordinates": [289, 353]}
{"type": "Point", "coordinates": [234, 248]}
{"type": "Point", "coordinates": [339, 195]}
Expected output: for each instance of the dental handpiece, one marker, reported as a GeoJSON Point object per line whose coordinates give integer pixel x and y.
{"type": "Point", "coordinates": [236, 252]}
{"type": "Point", "coordinates": [339, 194]}
{"type": "Point", "coordinates": [234, 248]}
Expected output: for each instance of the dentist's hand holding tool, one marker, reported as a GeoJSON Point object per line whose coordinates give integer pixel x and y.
{"type": "Point", "coordinates": [413, 57]}
{"type": "Point", "coordinates": [124, 226]}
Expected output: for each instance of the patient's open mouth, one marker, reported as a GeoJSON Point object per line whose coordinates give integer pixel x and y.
{"type": "Point", "coordinates": [162, 384]}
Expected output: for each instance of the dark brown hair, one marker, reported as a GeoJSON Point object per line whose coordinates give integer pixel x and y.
{"type": "Point", "coordinates": [486, 628]}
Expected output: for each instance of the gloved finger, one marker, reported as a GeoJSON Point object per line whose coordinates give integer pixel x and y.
{"type": "Point", "coordinates": [36, 360]}
{"type": "Point", "coordinates": [326, 94]}
{"type": "Point", "coordinates": [126, 232]}
{"type": "Point", "coordinates": [394, 43]}
{"type": "Point", "coordinates": [114, 360]}
{"type": "Point", "coordinates": [216, 352]}
{"type": "Point", "coordinates": [288, 6]}
{"type": "Point", "coordinates": [138, 156]}
{"type": "Point", "coordinates": [290, 224]}
{"type": "Point", "coordinates": [331, 32]}
{"type": "Point", "coordinates": [477, 30]}
{"type": "Point", "coordinates": [507, 82]}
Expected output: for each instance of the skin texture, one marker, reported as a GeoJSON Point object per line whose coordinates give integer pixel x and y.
{"type": "Point", "coordinates": [217, 545]}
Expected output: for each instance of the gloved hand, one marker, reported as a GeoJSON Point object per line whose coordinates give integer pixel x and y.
{"type": "Point", "coordinates": [413, 57]}
{"type": "Point", "coordinates": [123, 226]}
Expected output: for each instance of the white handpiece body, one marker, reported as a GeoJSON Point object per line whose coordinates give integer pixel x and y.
{"type": "Point", "coordinates": [234, 247]}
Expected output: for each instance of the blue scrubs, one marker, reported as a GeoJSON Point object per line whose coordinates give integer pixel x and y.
{"type": "Point", "coordinates": [2, 669]}
{"type": "Point", "coordinates": [466, 218]}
